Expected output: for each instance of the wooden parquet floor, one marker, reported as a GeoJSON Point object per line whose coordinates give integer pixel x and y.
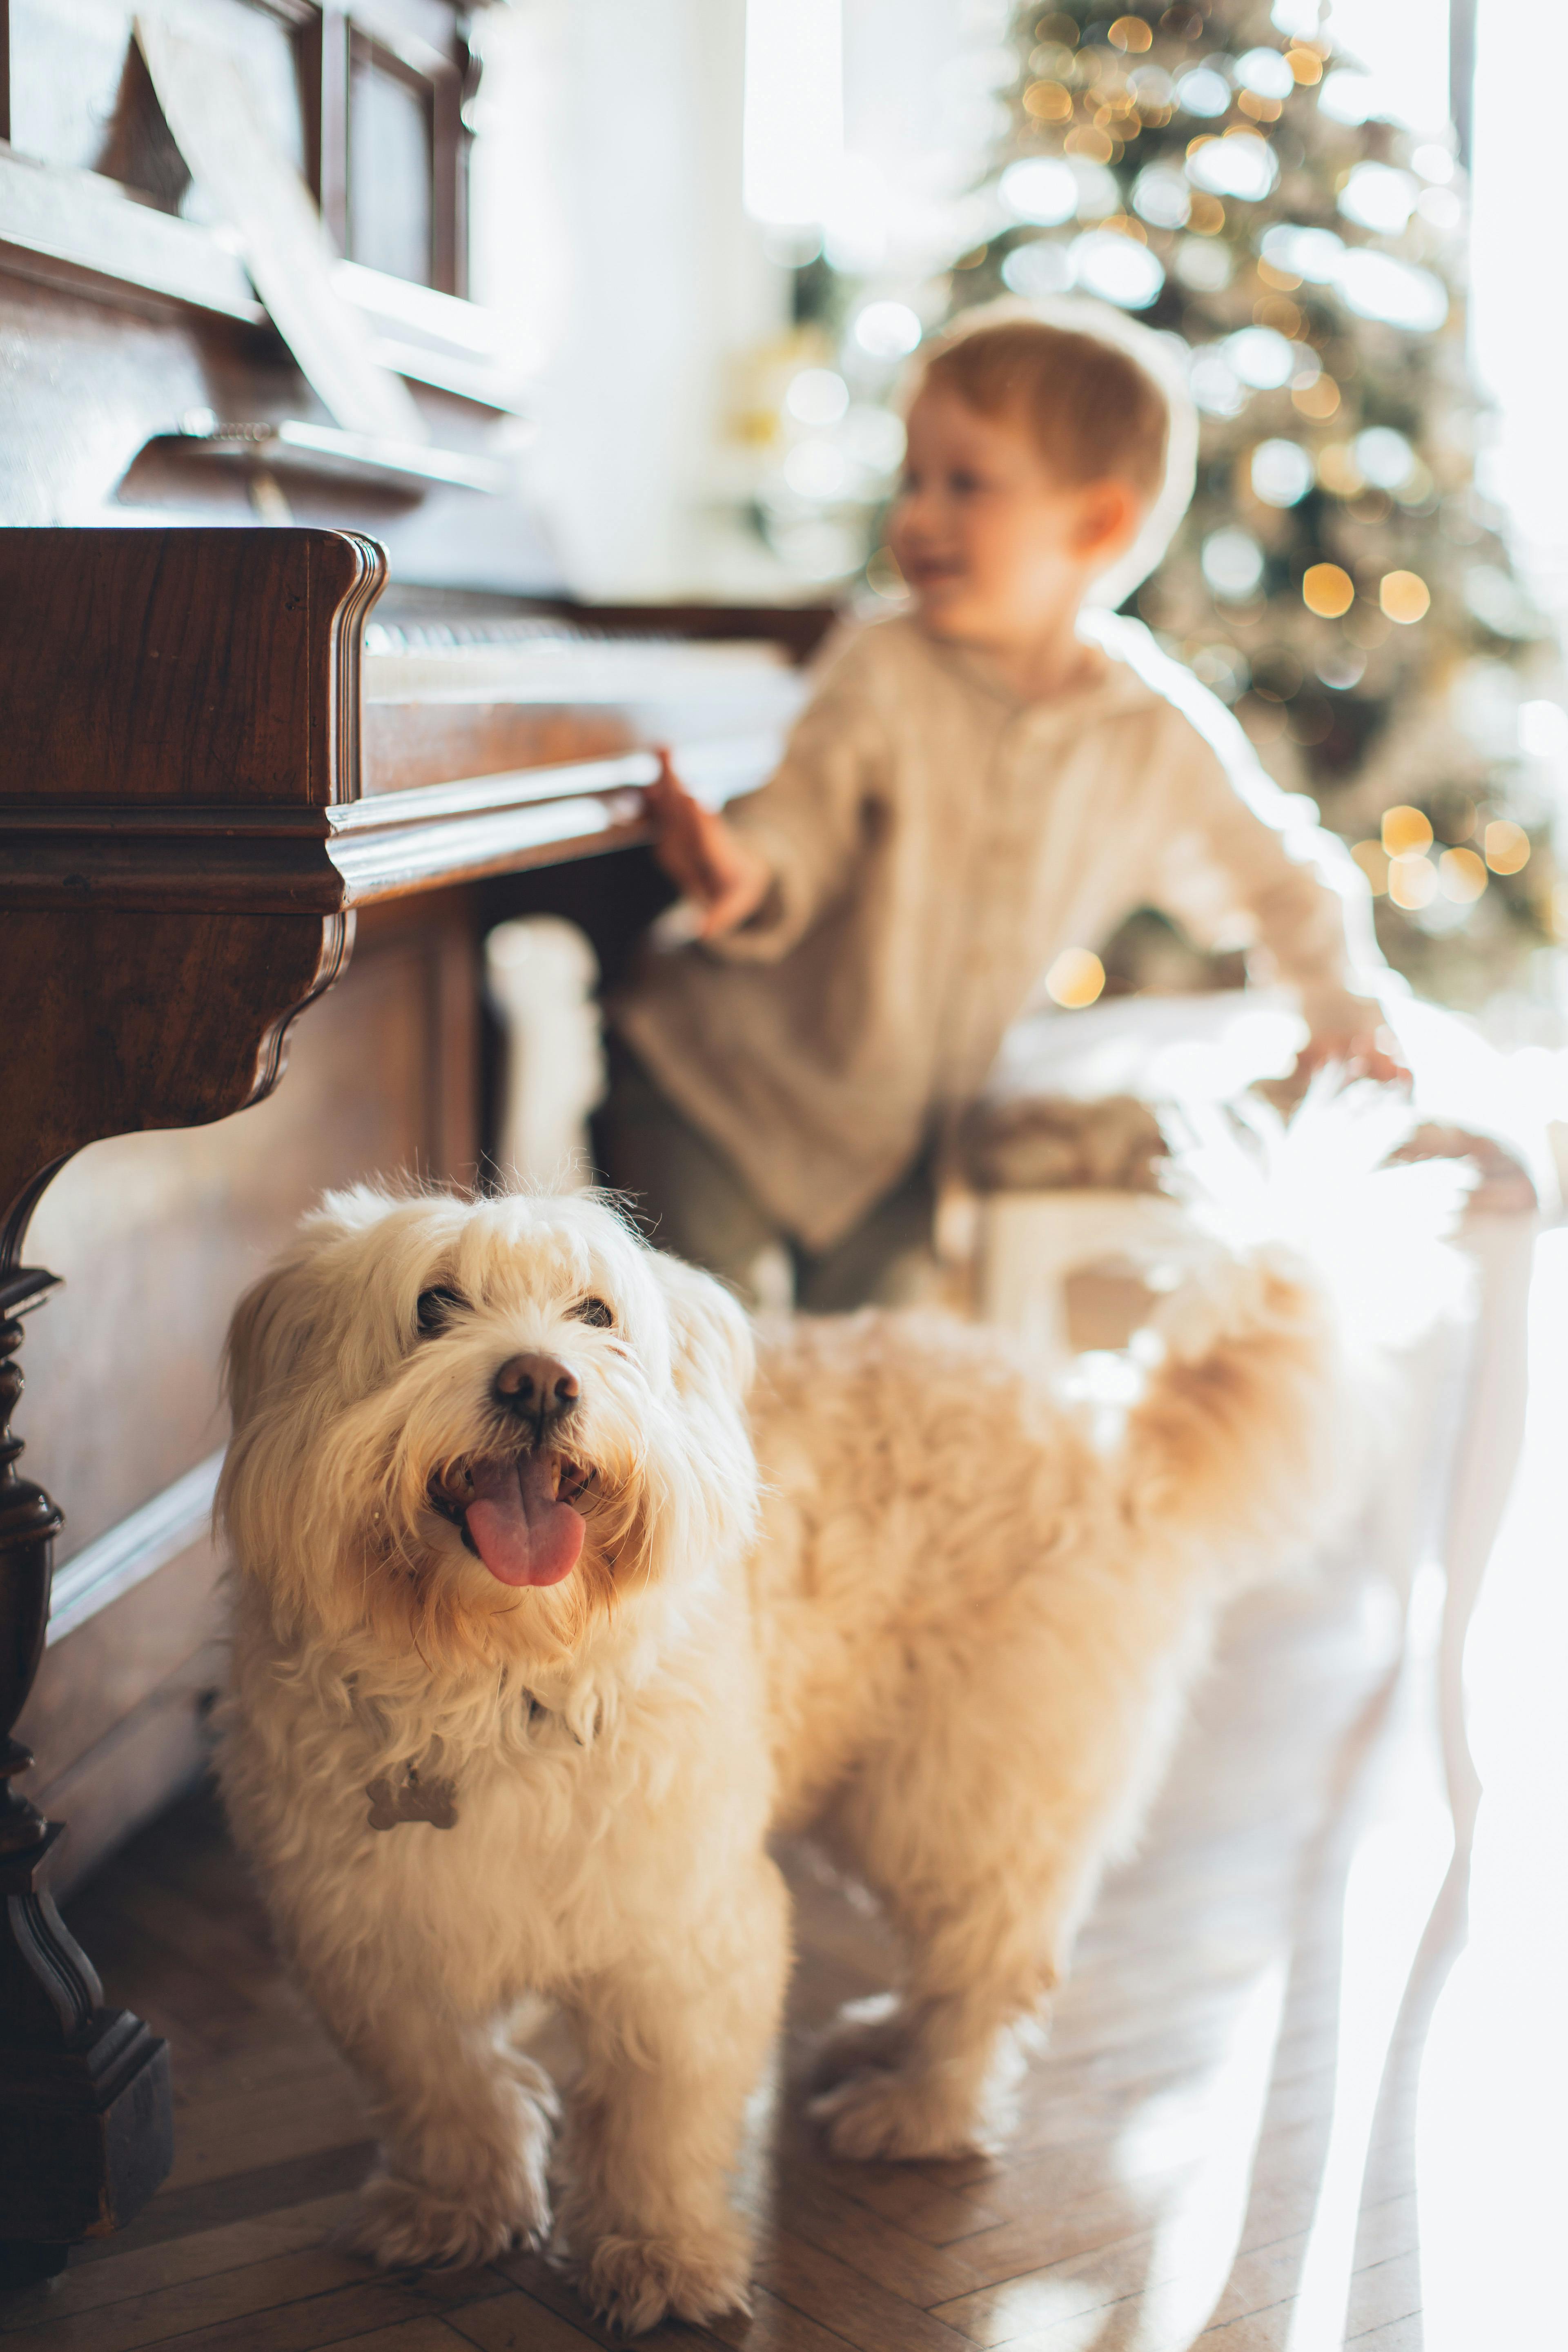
{"type": "Point", "coordinates": [1171, 2183]}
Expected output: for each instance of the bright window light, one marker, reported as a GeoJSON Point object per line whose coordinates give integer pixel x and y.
{"type": "Point", "coordinates": [793, 115]}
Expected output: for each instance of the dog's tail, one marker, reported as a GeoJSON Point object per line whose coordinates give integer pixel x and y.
{"type": "Point", "coordinates": [1307, 1258]}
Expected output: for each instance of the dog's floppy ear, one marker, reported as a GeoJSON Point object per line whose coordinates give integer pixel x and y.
{"type": "Point", "coordinates": [702, 1479]}
{"type": "Point", "coordinates": [268, 1332]}
{"type": "Point", "coordinates": [273, 1323]}
{"type": "Point", "coordinates": [711, 1337]}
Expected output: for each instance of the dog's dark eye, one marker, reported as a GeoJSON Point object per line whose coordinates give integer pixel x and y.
{"type": "Point", "coordinates": [594, 1311]}
{"type": "Point", "coordinates": [437, 1308]}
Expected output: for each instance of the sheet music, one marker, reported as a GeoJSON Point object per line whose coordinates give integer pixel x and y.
{"type": "Point", "coordinates": [285, 247]}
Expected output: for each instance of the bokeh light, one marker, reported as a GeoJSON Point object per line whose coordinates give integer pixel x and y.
{"type": "Point", "coordinates": [1232, 563]}
{"type": "Point", "coordinates": [1047, 102]}
{"type": "Point", "coordinates": [1130, 33]}
{"type": "Point", "coordinates": [1405, 830]}
{"type": "Point", "coordinates": [1433, 163]}
{"type": "Point", "coordinates": [1265, 73]}
{"type": "Point", "coordinates": [873, 437]}
{"type": "Point", "coordinates": [887, 330]}
{"type": "Point", "coordinates": [1317, 400]}
{"type": "Point", "coordinates": [1152, 87]}
{"type": "Point", "coordinates": [1376, 285]}
{"type": "Point", "coordinates": [1099, 190]}
{"type": "Point", "coordinates": [1543, 730]}
{"type": "Point", "coordinates": [1206, 267]}
{"type": "Point", "coordinates": [1341, 666]}
{"type": "Point", "coordinates": [1261, 357]}
{"type": "Point", "coordinates": [1386, 457]}
{"type": "Point", "coordinates": [1075, 979]}
{"type": "Point", "coordinates": [1404, 596]}
{"type": "Point", "coordinates": [1328, 591]}
{"type": "Point", "coordinates": [1042, 267]}
{"type": "Point", "coordinates": [1348, 97]}
{"type": "Point", "coordinates": [1441, 207]}
{"type": "Point", "coordinates": [815, 470]}
{"type": "Point", "coordinates": [1338, 470]}
{"type": "Point", "coordinates": [817, 396]}
{"type": "Point", "coordinates": [1240, 165]}
{"type": "Point", "coordinates": [1162, 197]}
{"type": "Point", "coordinates": [1043, 189]}
{"type": "Point", "coordinates": [1506, 845]}
{"type": "Point", "coordinates": [1411, 880]}
{"type": "Point", "coordinates": [1202, 93]}
{"type": "Point", "coordinates": [1314, 254]}
{"type": "Point", "coordinates": [1282, 473]}
{"type": "Point", "coordinates": [1380, 197]}
{"type": "Point", "coordinates": [1116, 268]}
{"type": "Point", "coordinates": [1461, 877]}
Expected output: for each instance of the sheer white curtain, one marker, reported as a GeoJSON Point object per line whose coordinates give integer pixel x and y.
{"type": "Point", "coordinates": [1519, 333]}
{"type": "Point", "coordinates": [1520, 265]}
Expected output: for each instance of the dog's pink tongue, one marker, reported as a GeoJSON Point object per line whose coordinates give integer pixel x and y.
{"type": "Point", "coordinates": [522, 1530]}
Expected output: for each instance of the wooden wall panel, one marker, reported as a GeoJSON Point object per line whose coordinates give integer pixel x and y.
{"type": "Point", "coordinates": [89, 1682]}
{"type": "Point", "coordinates": [127, 1778]}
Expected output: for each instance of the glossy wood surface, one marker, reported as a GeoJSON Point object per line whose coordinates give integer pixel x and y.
{"type": "Point", "coordinates": [205, 666]}
{"type": "Point", "coordinates": [120, 1021]}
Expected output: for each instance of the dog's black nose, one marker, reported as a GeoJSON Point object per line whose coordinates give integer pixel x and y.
{"type": "Point", "coordinates": [537, 1388]}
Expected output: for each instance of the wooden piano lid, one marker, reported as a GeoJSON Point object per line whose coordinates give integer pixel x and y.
{"type": "Point", "coordinates": [200, 718]}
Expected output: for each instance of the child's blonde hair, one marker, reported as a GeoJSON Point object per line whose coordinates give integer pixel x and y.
{"type": "Point", "coordinates": [1093, 411]}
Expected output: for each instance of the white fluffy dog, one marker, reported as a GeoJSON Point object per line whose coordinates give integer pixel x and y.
{"type": "Point", "coordinates": [529, 1664]}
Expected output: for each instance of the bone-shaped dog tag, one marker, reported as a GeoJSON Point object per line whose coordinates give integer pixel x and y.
{"type": "Point", "coordinates": [414, 1800]}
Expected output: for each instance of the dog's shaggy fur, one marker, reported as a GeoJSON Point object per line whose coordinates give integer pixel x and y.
{"type": "Point", "coordinates": [948, 1633]}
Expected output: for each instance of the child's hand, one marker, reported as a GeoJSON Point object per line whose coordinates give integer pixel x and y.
{"type": "Point", "coordinates": [1366, 1050]}
{"type": "Point", "coordinates": [704, 858]}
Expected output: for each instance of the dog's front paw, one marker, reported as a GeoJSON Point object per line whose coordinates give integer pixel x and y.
{"type": "Point", "coordinates": [900, 2118]}
{"type": "Point", "coordinates": [634, 2282]}
{"type": "Point", "coordinates": [405, 2225]}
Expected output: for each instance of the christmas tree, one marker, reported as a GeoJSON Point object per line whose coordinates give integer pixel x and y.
{"type": "Point", "coordinates": [1218, 172]}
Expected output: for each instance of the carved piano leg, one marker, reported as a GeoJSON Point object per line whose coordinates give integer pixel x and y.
{"type": "Point", "coordinates": [86, 2122]}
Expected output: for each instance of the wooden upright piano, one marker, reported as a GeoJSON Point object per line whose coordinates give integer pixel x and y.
{"type": "Point", "coordinates": [262, 795]}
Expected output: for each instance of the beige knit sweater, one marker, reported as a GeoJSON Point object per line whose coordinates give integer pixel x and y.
{"type": "Point", "coordinates": [936, 842]}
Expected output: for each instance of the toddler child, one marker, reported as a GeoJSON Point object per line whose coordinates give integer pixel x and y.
{"type": "Point", "coordinates": [979, 783]}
